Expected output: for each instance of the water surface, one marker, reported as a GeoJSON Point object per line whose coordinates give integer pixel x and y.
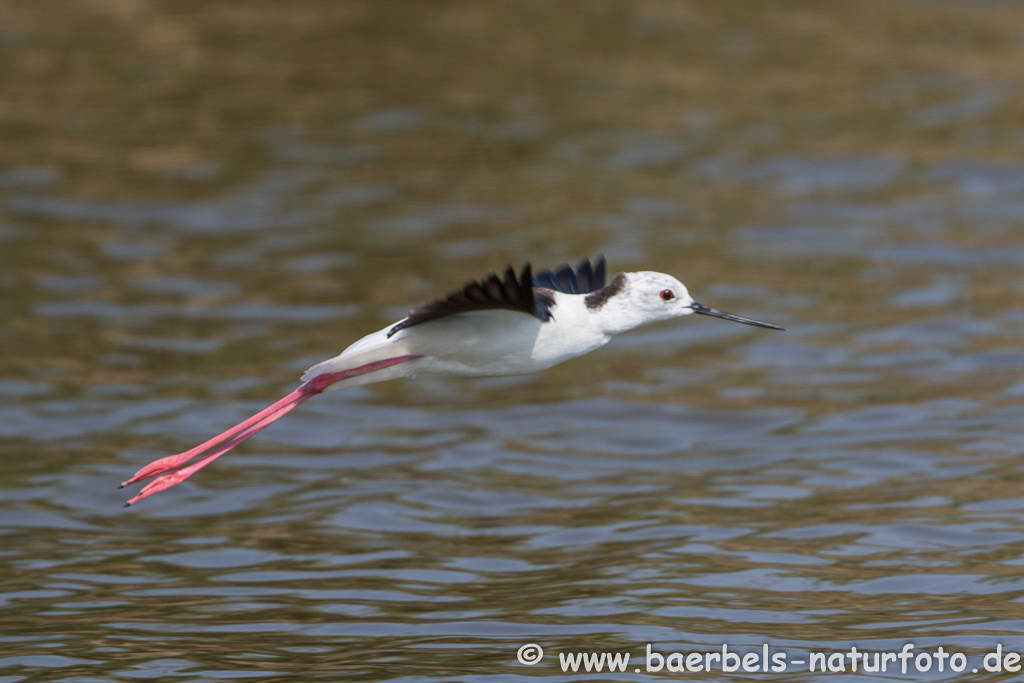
{"type": "Point", "coordinates": [199, 202]}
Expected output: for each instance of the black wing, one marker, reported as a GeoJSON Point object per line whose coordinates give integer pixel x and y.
{"type": "Point", "coordinates": [510, 293]}
{"type": "Point", "coordinates": [583, 280]}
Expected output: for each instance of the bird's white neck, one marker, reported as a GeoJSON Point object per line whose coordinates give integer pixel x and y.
{"type": "Point", "coordinates": [611, 308]}
{"type": "Point", "coordinates": [616, 317]}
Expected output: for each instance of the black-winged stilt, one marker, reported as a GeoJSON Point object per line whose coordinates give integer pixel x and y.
{"type": "Point", "coordinates": [497, 326]}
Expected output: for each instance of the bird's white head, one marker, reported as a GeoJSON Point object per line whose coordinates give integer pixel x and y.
{"type": "Point", "coordinates": [634, 299]}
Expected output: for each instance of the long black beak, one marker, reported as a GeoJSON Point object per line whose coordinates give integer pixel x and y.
{"type": "Point", "coordinates": [705, 310]}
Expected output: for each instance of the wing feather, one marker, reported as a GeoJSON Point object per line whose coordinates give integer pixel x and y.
{"type": "Point", "coordinates": [510, 293]}
{"type": "Point", "coordinates": [586, 278]}
{"type": "Point", "coordinates": [524, 294]}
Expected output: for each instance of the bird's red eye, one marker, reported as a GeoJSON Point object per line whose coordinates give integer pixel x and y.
{"type": "Point", "coordinates": [667, 295]}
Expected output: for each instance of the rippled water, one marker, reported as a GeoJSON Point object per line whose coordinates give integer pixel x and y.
{"type": "Point", "coordinates": [198, 203]}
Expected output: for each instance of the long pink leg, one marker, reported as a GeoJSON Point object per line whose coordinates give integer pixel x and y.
{"type": "Point", "coordinates": [168, 463]}
{"type": "Point", "coordinates": [168, 480]}
{"type": "Point", "coordinates": [248, 428]}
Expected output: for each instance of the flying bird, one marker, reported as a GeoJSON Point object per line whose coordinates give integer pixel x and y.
{"type": "Point", "coordinates": [511, 325]}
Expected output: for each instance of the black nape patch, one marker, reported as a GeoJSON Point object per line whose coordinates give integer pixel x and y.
{"type": "Point", "coordinates": [599, 298]}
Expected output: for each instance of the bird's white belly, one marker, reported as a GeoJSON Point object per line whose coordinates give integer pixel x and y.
{"type": "Point", "coordinates": [497, 343]}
